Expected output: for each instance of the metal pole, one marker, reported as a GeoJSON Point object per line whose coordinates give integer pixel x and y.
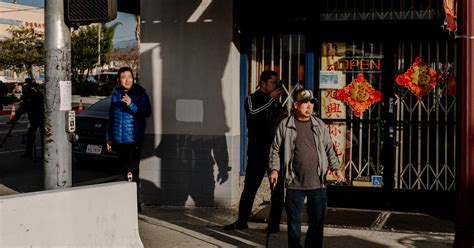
{"type": "Point", "coordinates": [99, 64]}
{"type": "Point", "coordinates": [57, 157]}
{"type": "Point", "coordinates": [464, 233]}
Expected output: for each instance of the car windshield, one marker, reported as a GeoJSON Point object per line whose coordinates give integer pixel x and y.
{"type": "Point", "coordinates": [100, 106]}
{"type": "Point", "coordinates": [108, 78]}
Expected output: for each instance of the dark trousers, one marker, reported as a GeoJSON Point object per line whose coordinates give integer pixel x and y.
{"type": "Point", "coordinates": [31, 136]}
{"type": "Point", "coordinates": [129, 158]}
{"type": "Point", "coordinates": [253, 178]}
{"type": "Point", "coordinates": [316, 209]}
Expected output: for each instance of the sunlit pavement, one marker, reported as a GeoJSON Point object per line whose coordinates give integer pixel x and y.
{"type": "Point", "coordinates": [202, 227]}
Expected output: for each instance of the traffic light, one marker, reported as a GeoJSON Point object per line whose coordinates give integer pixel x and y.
{"type": "Point", "coordinates": [83, 12]}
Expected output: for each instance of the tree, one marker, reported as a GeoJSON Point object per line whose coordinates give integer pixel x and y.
{"type": "Point", "coordinates": [129, 57]}
{"type": "Point", "coordinates": [85, 49]}
{"type": "Point", "coordinates": [23, 50]}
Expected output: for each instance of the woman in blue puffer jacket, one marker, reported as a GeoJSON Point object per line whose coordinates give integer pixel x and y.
{"type": "Point", "coordinates": [130, 106]}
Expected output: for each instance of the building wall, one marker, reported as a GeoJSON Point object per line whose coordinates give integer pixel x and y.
{"type": "Point", "coordinates": [190, 67]}
{"type": "Point", "coordinates": [20, 15]}
{"type": "Point", "coordinates": [15, 15]}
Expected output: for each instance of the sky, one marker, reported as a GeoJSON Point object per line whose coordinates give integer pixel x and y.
{"type": "Point", "coordinates": [124, 32]}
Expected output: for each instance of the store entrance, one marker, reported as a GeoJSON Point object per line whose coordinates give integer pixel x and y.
{"type": "Point", "coordinates": [398, 153]}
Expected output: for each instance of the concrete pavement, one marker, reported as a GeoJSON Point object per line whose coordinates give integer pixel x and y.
{"type": "Point", "coordinates": [202, 227]}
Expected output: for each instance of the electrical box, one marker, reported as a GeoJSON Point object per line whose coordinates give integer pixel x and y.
{"type": "Point", "coordinates": [71, 122]}
{"type": "Point", "coordinates": [84, 12]}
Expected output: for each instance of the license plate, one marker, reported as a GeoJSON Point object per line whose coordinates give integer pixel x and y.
{"type": "Point", "coordinates": [94, 149]}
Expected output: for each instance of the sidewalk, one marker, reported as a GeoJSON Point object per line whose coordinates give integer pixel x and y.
{"type": "Point", "coordinates": [202, 227]}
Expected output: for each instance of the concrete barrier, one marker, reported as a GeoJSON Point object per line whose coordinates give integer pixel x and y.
{"type": "Point", "coordinates": [102, 215]}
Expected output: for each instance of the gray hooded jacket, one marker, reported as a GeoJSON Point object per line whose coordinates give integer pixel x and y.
{"type": "Point", "coordinates": [283, 146]}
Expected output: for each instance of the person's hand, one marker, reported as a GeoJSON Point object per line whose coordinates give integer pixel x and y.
{"type": "Point", "coordinates": [276, 93]}
{"type": "Point", "coordinates": [273, 178]}
{"type": "Point", "coordinates": [126, 99]}
{"type": "Point", "coordinates": [222, 177]}
{"type": "Point", "coordinates": [339, 176]}
{"type": "Point", "coordinates": [109, 145]}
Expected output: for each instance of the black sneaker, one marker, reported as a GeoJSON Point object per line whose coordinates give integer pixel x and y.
{"type": "Point", "coordinates": [236, 226]}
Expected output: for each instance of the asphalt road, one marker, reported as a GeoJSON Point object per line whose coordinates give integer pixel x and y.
{"type": "Point", "coordinates": [26, 175]}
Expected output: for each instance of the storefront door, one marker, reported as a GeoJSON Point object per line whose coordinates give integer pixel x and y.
{"type": "Point", "coordinates": [400, 151]}
{"type": "Point", "coordinates": [404, 146]}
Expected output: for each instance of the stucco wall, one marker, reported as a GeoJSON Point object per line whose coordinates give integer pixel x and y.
{"type": "Point", "coordinates": [190, 67]}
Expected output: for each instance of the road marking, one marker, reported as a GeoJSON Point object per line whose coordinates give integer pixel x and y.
{"type": "Point", "coordinates": [4, 152]}
{"type": "Point", "coordinates": [15, 131]}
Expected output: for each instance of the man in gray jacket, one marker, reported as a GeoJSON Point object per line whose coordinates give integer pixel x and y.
{"type": "Point", "coordinates": [307, 152]}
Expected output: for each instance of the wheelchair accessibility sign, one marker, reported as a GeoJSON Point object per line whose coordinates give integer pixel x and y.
{"type": "Point", "coordinates": [377, 181]}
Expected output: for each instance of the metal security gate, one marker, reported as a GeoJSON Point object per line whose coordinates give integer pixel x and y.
{"type": "Point", "coordinates": [358, 140]}
{"type": "Point", "coordinates": [284, 54]}
{"type": "Point", "coordinates": [425, 136]}
{"type": "Point", "coordinates": [424, 130]}
{"type": "Point", "coordinates": [402, 147]}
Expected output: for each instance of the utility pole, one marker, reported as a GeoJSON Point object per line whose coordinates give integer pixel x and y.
{"type": "Point", "coordinates": [99, 64]}
{"type": "Point", "coordinates": [57, 154]}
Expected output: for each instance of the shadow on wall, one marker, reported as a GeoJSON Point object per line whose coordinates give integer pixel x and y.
{"type": "Point", "coordinates": [185, 49]}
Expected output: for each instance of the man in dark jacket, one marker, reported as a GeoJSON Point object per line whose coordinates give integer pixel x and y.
{"type": "Point", "coordinates": [264, 112]}
{"type": "Point", "coordinates": [3, 93]}
{"type": "Point", "coordinates": [130, 106]}
{"type": "Point", "coordinates": [32, 103]}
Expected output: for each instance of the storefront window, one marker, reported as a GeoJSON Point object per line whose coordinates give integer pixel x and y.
{"type": "Point", "coordinates": [357, 139]}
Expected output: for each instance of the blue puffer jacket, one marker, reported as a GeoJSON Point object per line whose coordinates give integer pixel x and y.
{"type": "Point", "coordinates": [127, 123]}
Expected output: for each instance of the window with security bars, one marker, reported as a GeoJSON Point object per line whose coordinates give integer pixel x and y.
{"type": "Point", "coordinates": [284, 54]}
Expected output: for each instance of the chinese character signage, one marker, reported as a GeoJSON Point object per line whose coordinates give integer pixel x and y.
{"type": "Point", "coordinates": [332, 108]}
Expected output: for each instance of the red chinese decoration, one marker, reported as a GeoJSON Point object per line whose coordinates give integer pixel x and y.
{"type": "Point", "coordinates": [359, 95]}
{"type": "Point", "coordinates": [451, 84]}
{"type": "Point", "coordinates": [450, 8]}
{"type": "Point", "coordinates": [420, 78]}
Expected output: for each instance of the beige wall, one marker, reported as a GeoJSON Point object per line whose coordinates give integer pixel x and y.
{"type": "Point", "coordinates": [20, 15]}
{"type": "Point", "coordinates": [190, 66]}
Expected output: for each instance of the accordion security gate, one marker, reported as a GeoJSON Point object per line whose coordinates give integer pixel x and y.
{"type": "Point", "coordinates": [425, 130]}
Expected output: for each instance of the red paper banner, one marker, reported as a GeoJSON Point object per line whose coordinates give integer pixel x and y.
{"type": "Point", "coordinates": [450, 8]}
